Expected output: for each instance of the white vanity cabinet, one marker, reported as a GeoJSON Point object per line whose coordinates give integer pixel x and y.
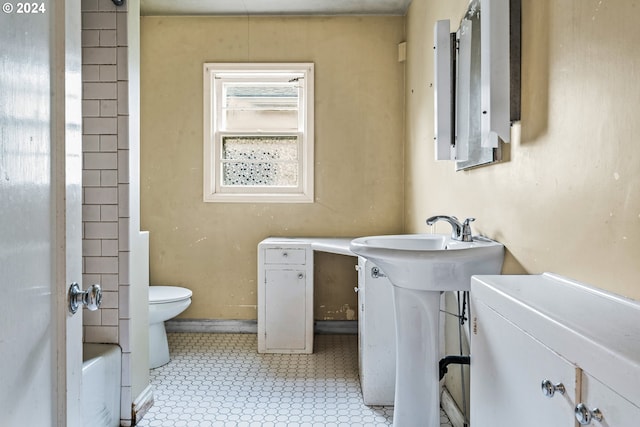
{"type": "Point", "coordinates": [531, 329]}
{"type": "Point", "coordinates": [615, 409]}
{"type": "Point", "coordinates": [285, 298]}
{"type": "Point", "coordinates": [376, 335]}
{"type": "Point", "coordinates": [507, 369]}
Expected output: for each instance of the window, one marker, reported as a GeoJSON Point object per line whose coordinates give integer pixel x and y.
{"type": "Point", "coordinates": [258, 132]}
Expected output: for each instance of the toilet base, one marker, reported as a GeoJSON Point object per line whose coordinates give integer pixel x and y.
{"type": "Point", "coordinates": [158, 346]}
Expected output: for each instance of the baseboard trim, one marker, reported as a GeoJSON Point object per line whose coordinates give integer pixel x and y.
{"type": "Point", "coordinates": [218, 326]}
{"type": "Point", "coordinates": [450, 407]}
{"type": "Point", "coordinates": [213, 326]}
{"type": "Point", "coordinates": [141, 404]}
{"type": "Point", "coordinates": [336, 327]}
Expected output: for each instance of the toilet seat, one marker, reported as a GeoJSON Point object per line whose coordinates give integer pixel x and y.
{"type": "Point", "coordinates": [166, 294]}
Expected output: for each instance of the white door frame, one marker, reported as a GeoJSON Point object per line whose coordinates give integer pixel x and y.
{"type": "Point", "coordinates": [66, 127]}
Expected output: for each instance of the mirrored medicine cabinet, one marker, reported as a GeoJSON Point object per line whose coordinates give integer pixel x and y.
{"type": "Point", "coordinates": [477, 83]}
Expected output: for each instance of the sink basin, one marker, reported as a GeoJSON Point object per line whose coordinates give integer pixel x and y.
{"type": "Point", "coordinates": [420, 266]}
{"type": "Point", "coordinates": [430, 262]}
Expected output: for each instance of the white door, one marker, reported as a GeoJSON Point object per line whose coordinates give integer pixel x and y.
{"type": "Point", "coordinates": [40, 212]}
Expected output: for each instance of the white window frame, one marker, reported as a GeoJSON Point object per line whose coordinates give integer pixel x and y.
{"type": "Point", "coordinates": [214, 191]}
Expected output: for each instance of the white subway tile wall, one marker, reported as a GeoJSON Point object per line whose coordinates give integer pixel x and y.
{"type": "Point", "coordinates": [105, 179]}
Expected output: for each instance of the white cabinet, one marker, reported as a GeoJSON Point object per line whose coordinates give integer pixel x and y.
{"type": "Point", "coordinates": [285, 298]}
{"type": "Point", "coordinates": [507, 369]}
{"type": "Point", "coordinates": [285, 309]}
{"type": "Point", "coordinates": [528, 329]}
{"type": "Point", "coordinates": [376, 335]}
{"type": "Point", "coordinates": [615, 409]}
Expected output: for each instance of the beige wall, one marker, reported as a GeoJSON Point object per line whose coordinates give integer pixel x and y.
{"type": "Point", "coordinates": [568, 200]}
{"type": "Point", "coordinates": [359, 105]}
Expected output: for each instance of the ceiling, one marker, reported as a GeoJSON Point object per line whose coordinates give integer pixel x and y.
{"type": "Point", "coordinates": [274, 7]}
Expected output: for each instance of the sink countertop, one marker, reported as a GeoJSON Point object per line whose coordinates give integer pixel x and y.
{"type": "Point", "coordinates": [334, 245]}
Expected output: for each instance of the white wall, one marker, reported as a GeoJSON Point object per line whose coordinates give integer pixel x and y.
{"type": "Point", "coordinates": [139, 241]}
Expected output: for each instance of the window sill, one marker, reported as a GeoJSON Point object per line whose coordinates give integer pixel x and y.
{"type": "Point", "coordinates": [258, 198]}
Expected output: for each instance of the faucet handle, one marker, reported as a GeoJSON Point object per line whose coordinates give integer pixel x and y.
{"type": "Point", "coordinates": [466, 230]}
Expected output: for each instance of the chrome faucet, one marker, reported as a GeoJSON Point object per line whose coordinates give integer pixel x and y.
{"type": "Point", "coordinates": [459, 231]}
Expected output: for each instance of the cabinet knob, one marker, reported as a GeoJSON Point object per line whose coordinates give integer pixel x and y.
{"type": "Point", "coordinates": [300, 276]}
{"type": "Point", "coordinates": [376, 272]}
{"type": "Point", "coordinates": [549, 388]}
{"type": "Point", "coordinates": [356, 289]}
{"type": "Point", "coordinates": [285, 254]}
{"type": "Point", "coordinates": [584, 415]}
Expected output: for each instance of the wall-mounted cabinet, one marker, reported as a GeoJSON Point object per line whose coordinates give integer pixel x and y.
{"type": "Point", "coordinates": [550, 351]}
{"type": "Point", "coordinates": [477, 82]}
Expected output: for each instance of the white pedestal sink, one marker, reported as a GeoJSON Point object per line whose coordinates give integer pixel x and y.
{"type": "Point", "coordinates": [420, 266]}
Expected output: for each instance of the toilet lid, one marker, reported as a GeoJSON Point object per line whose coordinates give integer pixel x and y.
{"type": "Point", "coordinates": [164, 294]}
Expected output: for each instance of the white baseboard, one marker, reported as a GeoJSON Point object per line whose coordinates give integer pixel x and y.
{"type": "Point", "coordinates": [450, 407]}
{"type": "Point", "coordinates": [141, 405]}
{"type": "Point", "coordinates": [218, 326]}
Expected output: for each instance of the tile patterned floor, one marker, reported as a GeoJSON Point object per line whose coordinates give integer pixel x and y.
{"type": "Point", "coordinates": [221, 380]}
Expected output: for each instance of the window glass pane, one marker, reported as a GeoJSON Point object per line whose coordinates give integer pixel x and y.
{"type": "Point", "coordinates": [265, 106]}
{"type": "Point", "coordinates": [260, 174]}
{"type": "Point", "coordinates": [260, 161]}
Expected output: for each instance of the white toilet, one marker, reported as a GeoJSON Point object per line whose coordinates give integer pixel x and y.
{"type": "Point", "coordinates": [165, 302]}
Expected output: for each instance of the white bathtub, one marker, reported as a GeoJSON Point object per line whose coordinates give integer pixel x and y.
{"type": "Point", "coordinates": [101, 385]}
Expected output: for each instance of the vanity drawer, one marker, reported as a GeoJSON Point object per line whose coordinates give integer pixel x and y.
{"type": "Point", "coordinates": [284, 256]}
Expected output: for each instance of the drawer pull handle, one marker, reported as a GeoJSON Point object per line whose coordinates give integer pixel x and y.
{"type": "Point", "coordinates": [584, 415]}
{"type": "Point", "coordinates": [549, 388]}
{"type": "Point", "coordinates": [300, 276]}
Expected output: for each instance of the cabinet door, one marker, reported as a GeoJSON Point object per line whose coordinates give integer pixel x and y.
{"type": "Point", "coordinates": [616, 410]}
{"type": "Point", "coordinates": [376, 328]}
{"type": "Point", "coordinates": [285, 309]}
{"type": "Point", "coordinates": [507, 369]}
